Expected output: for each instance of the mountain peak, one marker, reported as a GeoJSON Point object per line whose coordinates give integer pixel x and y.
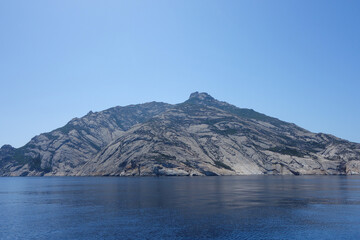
{"type": "Point", "coordinates": [6, 147]}
{"type": "Point", "coordinates": [201, 136]}
{"type": "Point", "coordinates": [202, 96]}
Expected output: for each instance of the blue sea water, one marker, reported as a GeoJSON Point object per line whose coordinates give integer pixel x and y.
{"type": "Point", "coordinates": [239, 207]}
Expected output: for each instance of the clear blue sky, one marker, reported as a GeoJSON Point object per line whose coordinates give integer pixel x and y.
{"type": "Point", "coordinates": [294, 60]}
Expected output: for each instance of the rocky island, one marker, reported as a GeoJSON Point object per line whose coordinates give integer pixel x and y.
{"type": "Point", "coordinates": [199, 137]}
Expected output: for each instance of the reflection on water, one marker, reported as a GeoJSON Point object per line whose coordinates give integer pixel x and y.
{"type": "Point", "coordinates": [243, 207]}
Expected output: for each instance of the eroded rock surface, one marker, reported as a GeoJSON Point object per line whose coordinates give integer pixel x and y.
{"type": "Point", "coordinates": [202, 136]}
{"type": "Point", "coordinates": [62, 151]}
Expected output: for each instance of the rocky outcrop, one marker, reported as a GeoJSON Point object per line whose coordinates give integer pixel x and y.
{"type": "Point", "coordinates": [206, 137]}
{"type": "Point", "coordinates": [202, 136]}
{"type": "Point", "coordinates": [64, 150]}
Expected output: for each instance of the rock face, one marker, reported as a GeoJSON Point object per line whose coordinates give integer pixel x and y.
{"type": "Point", "coordinates": [202, 136]}
{"type": "Point", "coordinates": [62, 151]}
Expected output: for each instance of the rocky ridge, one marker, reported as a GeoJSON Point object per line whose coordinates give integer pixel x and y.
{"type": "Point", "coordinates": [62, 151]}
{"type": "Point", "coordinates": [202, 136]}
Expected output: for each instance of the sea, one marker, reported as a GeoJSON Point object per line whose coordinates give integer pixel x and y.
{"type": "Point", "coordinates": [227, 207]}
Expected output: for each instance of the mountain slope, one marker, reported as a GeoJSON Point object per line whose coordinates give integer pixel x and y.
{"type": "Point", "coordinates": [202, 136]}
{"type": "Point", "coordinates": [63, 150]}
